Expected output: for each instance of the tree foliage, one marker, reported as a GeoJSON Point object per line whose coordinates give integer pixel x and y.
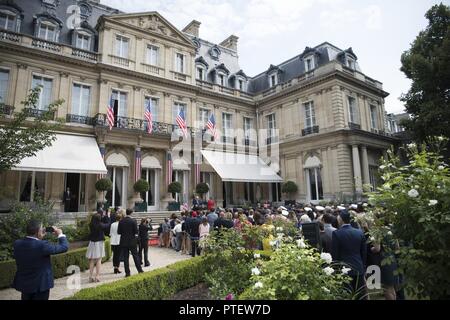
{"type": "Point", "coordinates": [103, 184]}
{"type": "Point", "coordinates": [202, 188]}
{"type": "Point", "coordinates": [175, 187]}
{"type": "Point", "coordinates": [20, 138]}
{"type": "Point", "coordinates": [141, 185]}
{"type": "Point", "coordinates": [289, 187]}
{"type": "Point", "coordinates": [427, 64]}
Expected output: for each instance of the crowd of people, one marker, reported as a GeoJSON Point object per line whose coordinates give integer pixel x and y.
{"type": "Point", "coordinates": [341, 234]}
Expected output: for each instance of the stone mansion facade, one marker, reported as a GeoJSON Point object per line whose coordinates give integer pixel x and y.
{"type": "Point", "coordinates": [324, 119]}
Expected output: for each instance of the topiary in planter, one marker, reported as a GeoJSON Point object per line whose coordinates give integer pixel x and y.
{"type": "Point", "coordinates": [175, 187]}
{"type": "Point", "coordinates": [103, 185]}
{"type": "Point", "coordinates": [289, 187]}
{"type": "Point", "coordinates": [141, 186]}
{"type": "Point", "coordinates": [202, 188]}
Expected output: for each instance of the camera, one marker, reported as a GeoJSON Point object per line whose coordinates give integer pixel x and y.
{"type": "Point", "coordinates": [49, 229]}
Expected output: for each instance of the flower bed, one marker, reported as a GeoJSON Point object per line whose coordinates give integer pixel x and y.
{"type": "Point", "coordinates": [60, 262]}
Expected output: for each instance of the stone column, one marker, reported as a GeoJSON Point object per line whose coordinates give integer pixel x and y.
{"type": "Point", "coordinates": [356, 169]}
{"type": "Point", "coordinates": [365, 165]}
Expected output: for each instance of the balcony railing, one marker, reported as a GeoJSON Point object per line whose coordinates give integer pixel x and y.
{"type": "Point", "coordinates": [148, 68]}
{"type": "Point", "coordinates": [124, 62]}
{"type": "Point", "coordinates": [354, 126]}
{"type": "Point", "coordinates": [46, 45]}
{"type": "Point", "coordinates": [10, 36]}
{"type": "Point", "coordinates": [6, 110]}
{"type": "Point", "coordinates": [36, 113]}
{"type": "Point", "coordinates": [310, 130]}
{"type": "Point", "coordinates": [74, 118]}
{"type": "Point", "coordinates": [179, 76]}
{"type": "Point", "coordinates": [85, 55]}
{"type": "Point", "coordinates": [225, 89]}
{"type": "Point", "coordinates": [204, 84]}
{"type": "Point", "coordinates": [134, 124]}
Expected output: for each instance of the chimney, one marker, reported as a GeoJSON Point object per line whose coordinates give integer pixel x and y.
{"type": "Point", "coordinates": [192, 28]}
{"type": "Point", "coordinates": [230, 42]}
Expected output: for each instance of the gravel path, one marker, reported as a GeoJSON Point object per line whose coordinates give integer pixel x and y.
{"type": "Point", "coordinates": [159, 257]}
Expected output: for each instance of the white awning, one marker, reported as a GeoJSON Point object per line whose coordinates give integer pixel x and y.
{"type": "Point", "coordinates": [240, 167]}
{"type": "Point", "coordinates": [68, 153]}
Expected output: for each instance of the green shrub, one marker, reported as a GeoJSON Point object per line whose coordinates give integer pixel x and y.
{"type": "Point", "coordinates": [141, 186]}
{"type": "Point", "coordinates": [104, 184]}
{"type": "Point", "coordinates": [60, 262]}
{"type": "Point", "coordinates": [201, 188]}
{"type": "Point", "coordinates": [289, 187]}
{"type": "Point", "coordinates": [154, 285]}
{"type": "Point", "coordinates": [175, 187]}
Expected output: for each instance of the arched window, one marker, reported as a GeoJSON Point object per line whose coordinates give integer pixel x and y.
{"type": "Point", "coordinates": [313, 179]}
{"type": "Point", "coordinates": [10, 18]}
{"type": "Point", "coordinates": [117, 165]}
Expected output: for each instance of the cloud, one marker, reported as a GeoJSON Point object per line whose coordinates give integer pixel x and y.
{"type": "Point", "coordinates": [374, 17]}
{"type": "Point", "coordinates": [370, 17]}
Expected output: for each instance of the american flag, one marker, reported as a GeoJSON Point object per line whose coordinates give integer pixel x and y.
{"type": "Point", "coordinates": [169, 168]}
{"type": "Point", "coordinates": [137, 165]}
{"type": "Point", "coordinates": [148, 116]}
{"type": "Point", "coordinates": [211, 125]}
{"type": "Point", "coordinates": [181, 121]}
{"type": "Point", "coordinates": [110, 113]}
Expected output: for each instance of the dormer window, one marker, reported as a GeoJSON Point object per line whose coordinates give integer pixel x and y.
{"type": "Point", "coordinates": [351, 63]}
{"type": "Point", "coordinates": [221, 79]}
{"type": "Point", "coordinates": [241, 85]}
{"type": "Point", "coordinates": [7, 20]}
{"type": "Point", "coordinates": [47, 31]}
{"type": "Point", "coordinates": [201, 67]}
{"type": "Point", "coordinates": [273, 81]}
{"type": "Point", "coordinates": [47, 27]}
{"type": "Point", "coordinates": [309, 64]}
{"type": "Point", "coordinates": [200, 73]}
{"type": "Point", "coordinates": [83, 41]}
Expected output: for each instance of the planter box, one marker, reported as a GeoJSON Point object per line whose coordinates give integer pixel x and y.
{"type": "Point", "coordinates": [140, 206]}
{"type": "Point", "coordinates": [174, 206]}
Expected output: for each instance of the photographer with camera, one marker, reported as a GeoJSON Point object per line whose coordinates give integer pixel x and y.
{"type": "Point", "coordinates": [34, 275]}
{"type": "Point", "coordinates": [144, 228]}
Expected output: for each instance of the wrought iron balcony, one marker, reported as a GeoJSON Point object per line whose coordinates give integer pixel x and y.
{"type": "Point", "coordinates": [310, 130]}
{"type": "Point", "coordinates": [74, 118]}
{"type": "Point", "coordinates": [6, 110]}
{"type": "Point", "coordinates": [354, 126]}
{"type": "Point", "coordinates": [36, 113]}
{"type": "Point", "coordinates": [134, 124]}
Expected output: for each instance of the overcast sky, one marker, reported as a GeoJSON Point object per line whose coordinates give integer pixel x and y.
{"type": "Point", "coordinates": [272, 31]}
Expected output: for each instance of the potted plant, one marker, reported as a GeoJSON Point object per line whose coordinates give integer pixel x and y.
{"type": "Point", "coordinates": [202, 188]}
{"type": "Point", "coordinates": [174, 187]}
{"type": "Point", "coordinates": [140, 187]}
{"type": "Point", "coordinates": [102, 185]}
{"type": "Point", "coordinates": [289, 188]}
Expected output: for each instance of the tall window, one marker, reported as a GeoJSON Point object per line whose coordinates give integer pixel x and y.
{"type": "Point", "coordinates": [314, 181]}
{"type": "Point", "coordinates": [275, 192]}
{"type": "Point", "coordinates": [222, 79]}
{"type": "Point", "coordinates": [151, 177]}
{"type": "Point", "coordinates": [7, 21]}
{"type": "Point", "coordinates": [154, 103]}
{"type": "Point", "coordinates": [32, 185]}
{"type": "Point", "coordinates": [47, 31]}
{"type": "Point", "coordinates": [203, 116]}
{"type": "Point", "coordinates": [115, 196]}
{"type": "Point", "coordinates": [351, 63]}
{"type": "Point", "coordinates": [152, 55]}
{"type": "Point", "coordinates": [373, 116]}
{"type": "Point", "coordinates": [4, 82]}
{"type": "Point", "coordinates": [241, 85]}
{"type": "Point", "coordinates": [273, 80]}
{"type": "Point", "coordinates": [247, 130]}
{"type": "Point", "coordinates": [227, 127]}
{"type": "Point", "coordinates": [121, 98]}
{"type": "Point", "coordinates": [200, 73]}
{"type": "Point", "coordinates": [271, 125]}
{"type": "Point", "coordinates": [45, 95]}
{"type": "Point", "coordinates": [122, 47]}
{"type": "Point", "coordinates": [309, 64]}
{"type": "Point", "coordinates": [81, 95]}
{"type": "Point", "coordinates": [352, 110]}
{"type": "Point", "coordinates": [310, 115]}
{"type": "Point", "coordinates": [179, 63]}
{"type": "Point", "coordinates": [83, 41]}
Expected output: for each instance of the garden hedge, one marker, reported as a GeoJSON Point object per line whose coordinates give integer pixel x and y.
{"type": "Point", "coordinates": [157, 284]}
{"type": "Point", "coordinates": [60, 262]}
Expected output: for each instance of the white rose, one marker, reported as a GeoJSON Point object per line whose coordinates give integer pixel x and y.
{"type": "Point", "coordinates": [326, 289]}
{"type": "Point", "coordinates": [301, 243]}
{"type": "Point", "coordinates": [257, 255]}
{"type": "Point", "coordinates": [345, 270]}
{"type": "Point", "coordinates": [326, 257]}
{"type": "Point", "coordinates": [411, 145]}
{"type": "Point", "coordinates": [273, 243]}
{"type": "Point", "coordinates": [441, 167]}
{"type": "Point", "coordinates": [328, 271]}
{"type": "Point", "coordinates": [258, 285]}
{"type": "Point", "coordinates": [432, 203]}
{"type": "Point", "coordinates": [389, 233]}
{"type": "Point", "coordinates": [279, 228]}
{"type": "Point", "coordinates": [382, 167]}
{"type": "Point", "coordinates": [256, 272]}
{"type": "Point", "coordinates": [280, 235]}
{"type": "Point", "coordinates": [413, 193]}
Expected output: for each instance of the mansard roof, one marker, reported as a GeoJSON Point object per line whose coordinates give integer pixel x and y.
{"type": "Point", "coordinates": [239, 73]}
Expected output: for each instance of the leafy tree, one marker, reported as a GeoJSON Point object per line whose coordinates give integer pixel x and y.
{"type": "Point", "coordinates": [20, 138]}
{"type": "Point", "coordinates": [202, 188]}
{"type": "Point", "coordinates": [427, 64]}
{"type": "Point", "coordinates": [175, 187]}
{"type": "Point", "coordinates": [289, 187]}
{"type": "Point", "coordinates": [141, 186]}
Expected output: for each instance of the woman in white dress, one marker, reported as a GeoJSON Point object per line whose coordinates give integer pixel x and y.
{"type": "Point", "coordinates": [115, 242]}
{"type": "Point", "coordinates": [96, 249]}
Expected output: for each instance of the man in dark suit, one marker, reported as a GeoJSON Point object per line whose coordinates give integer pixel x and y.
{"type": "Point", "coordinates": [348, 246]}
{"type": "Point", "coordinates": [34, 276]}
{"type": "Point", "coordinates": [192, 228]}
{"type": "Point", "coordinates": [221, 222]}
{"type": "Point", "coordinates": [67, 197]}
{"type": "Point", "coordinates": [128, 231]}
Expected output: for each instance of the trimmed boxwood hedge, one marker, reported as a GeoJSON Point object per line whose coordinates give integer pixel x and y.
{"type": "Point", "coordinates": [157, 284]}
{"type": "Point", "coordinates": [60, 262]}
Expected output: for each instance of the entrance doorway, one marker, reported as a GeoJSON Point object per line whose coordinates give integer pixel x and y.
{"type": "Point", "coordinates": [73, 183]}
{"type": "Point", "coordinates": [227, 193]}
